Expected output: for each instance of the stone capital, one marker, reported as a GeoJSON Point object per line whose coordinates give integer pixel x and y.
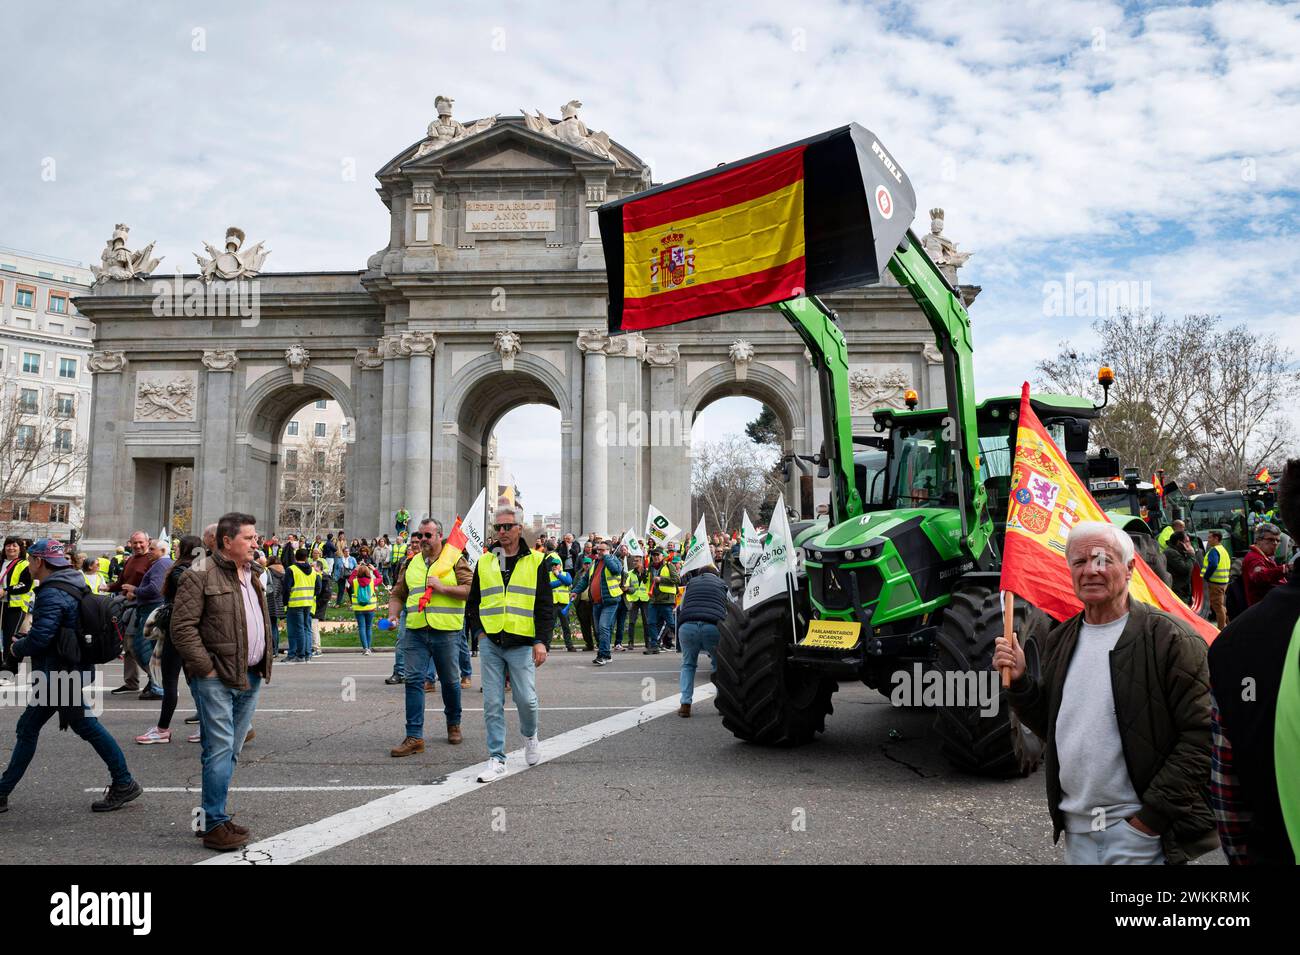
{"type": "Point", "coordinates": [629, 345]}
{"type": "Point", "coordinates": [370, 358]}
{"type": "Point", "coordinates": [593, 341]}
{"type": "Point", "coordinates": [389, 347]}
{"type": "Point", "coordinates": [417, 344]}
{"type": "Point", "coordinates": [106, 362]}
{"type": "Point", "coordinates": [932, 355]}
{"type": "Point", "coordinates": [220, 359]}
{"type": "Point", "coordinates": [659, 355]}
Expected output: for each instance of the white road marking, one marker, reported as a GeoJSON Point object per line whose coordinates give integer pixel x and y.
{"type": "Point", "coordinates": [333, 831]}
{"type": "Point", "coordinates": [154, 709]}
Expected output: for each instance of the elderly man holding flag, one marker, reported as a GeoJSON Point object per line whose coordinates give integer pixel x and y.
{"type": "Point", "coordinates": [1122, 697]}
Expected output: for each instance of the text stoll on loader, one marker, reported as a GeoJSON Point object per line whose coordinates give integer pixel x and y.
{"type": "Point", "coordinates": [912, 549]}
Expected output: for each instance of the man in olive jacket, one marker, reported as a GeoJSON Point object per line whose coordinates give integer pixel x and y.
{"type": "Point", "coordinates": [221, 628]}
{"type": "Point", "coordinates": [1123, 704]}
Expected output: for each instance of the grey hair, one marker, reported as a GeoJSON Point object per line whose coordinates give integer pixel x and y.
{"type": "Point", "coordinates": [431, 520]}
{"type": "Point", "coordinates": [1104, 529]}
{"type": "Point", "coordinates": [1267, 529]}
{"type": "Point", "coordinates": [514, 512]}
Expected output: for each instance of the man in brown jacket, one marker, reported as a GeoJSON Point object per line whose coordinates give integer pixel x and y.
{"type": "Point", "coordinates": [1123, 704]}
{"type": "Point", "coordinates": [220, 626]}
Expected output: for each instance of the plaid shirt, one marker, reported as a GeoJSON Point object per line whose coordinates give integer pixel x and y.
{"type": "Point", "coordinates": [1232, 812]}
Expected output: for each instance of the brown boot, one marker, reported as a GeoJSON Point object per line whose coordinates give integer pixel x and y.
{"type": "Point", "coordinates": [429, 686]}
{"type": "Point", "coordinates": [250, 736]}
{"type": "Point", "coordinates": [224, 839]}
{"type": "Point", "coordinates": [409, 746]}
{"type": "Point", "coordinates": [684, 710]}
{"type": "Point", "coordinates": [466, 683]}
{"type": "Point", "coordinates": [453, 735]}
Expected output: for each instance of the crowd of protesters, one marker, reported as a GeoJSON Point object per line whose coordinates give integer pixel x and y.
{"type": "Point", "coordinates": [1144, 730]}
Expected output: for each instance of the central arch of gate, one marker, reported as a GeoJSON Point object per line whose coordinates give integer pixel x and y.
{"type": "Point", "coordinates": [489, 293]}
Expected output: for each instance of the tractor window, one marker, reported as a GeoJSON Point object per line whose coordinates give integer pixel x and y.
{"type": "Point", "coordinates": [869, 469]}
{"type": "Point", "coordinates": [924, 473]}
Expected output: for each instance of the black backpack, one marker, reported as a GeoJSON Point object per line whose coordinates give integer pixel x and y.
{"type": "Point", "coordinates": [99, 636]}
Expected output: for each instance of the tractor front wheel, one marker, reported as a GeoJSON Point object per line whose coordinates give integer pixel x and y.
{"type": "Point", "coordinates": [762, 696]}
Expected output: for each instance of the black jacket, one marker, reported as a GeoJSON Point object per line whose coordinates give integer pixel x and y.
{"type": "Point", "coordinates": [1254, 646]}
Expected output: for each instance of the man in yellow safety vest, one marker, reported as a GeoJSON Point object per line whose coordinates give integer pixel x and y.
{"type": "Point", "coordinates": [18, 595]}
{"type": "Point", "coordinates": [1214, 568]}
{"type": "Point", "coordinates": [435, 616]}
{"type": "Point", "coordinates": [511, 610]}
{"type": "Point", "coordinates": [299, 606]}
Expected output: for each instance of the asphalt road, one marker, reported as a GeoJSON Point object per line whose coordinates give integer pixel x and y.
{"type": "Point", "coordinates": [318, 786]}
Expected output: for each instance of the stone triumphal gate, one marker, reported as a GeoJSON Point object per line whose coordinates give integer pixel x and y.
{"type": "Point", "coordinates": [490, 294]}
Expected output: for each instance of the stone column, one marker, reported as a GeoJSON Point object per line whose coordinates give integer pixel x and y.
{"type": "Point", "coordinates": [214, 482]}
{"type": "Point", "coordinates": [364, 456]}
{"type": "Point", "coordinates": [670, 463]}
{"type": "Point", "coordinates": [106, 519]}
{"type": "Point", "coordinates": [419, 346]}
{"type": "Point", "coordinates": [933, 392]}
{"type": "Point", "coordinates": [388, 443]}
{"type": "Point", "coordinates": [593, 343]}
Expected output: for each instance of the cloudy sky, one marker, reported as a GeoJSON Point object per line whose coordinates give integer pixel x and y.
{"type": "Point", "coordinates": [1109, 142]}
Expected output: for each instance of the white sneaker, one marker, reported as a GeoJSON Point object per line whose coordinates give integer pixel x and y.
{"type": "Point", "coordinates": [496, 768]}
{"type": "Point", "coordinates": [532, 750]}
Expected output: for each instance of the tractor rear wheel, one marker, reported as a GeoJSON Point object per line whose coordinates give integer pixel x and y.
{"type": "Point", "coordinates": [762, 696]}
{"type": "Point", "coordinates": [998, 745]}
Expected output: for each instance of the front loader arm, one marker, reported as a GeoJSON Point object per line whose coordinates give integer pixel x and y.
{"type": "Point", "coordinates": [816, 325]}
{"type": "Point", "coordinates": [916, 272]}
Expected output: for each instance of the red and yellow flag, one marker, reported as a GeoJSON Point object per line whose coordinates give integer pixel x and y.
{"type": "Point", "coordinates": [818, 215]}
{"type": "Point", "coordinates": [1047, 500]}
{"type": "Point", "coordinates": [1263, 476]}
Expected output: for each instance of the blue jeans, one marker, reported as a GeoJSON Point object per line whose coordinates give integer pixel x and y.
{"type": "Point", "coordinates": [691, 639]}
{"type": "Point", "coordinates": [427, 649]}
{"type": "Point", "coordinates": [1119, 844]}
{"type": "Point", "coordinates": [605, 615]}
{"type": "Point", "coordinates": [466, 668]}
{"type": "Point", "coordinates": [399, 655]}
{"type": "Point", "coordinates": [143, 648]}
{"type": "Point", "coordinates": [620, 620]}
{"type": "Point", "coordinates": [297, 621]}
{"type": "Point", "coordinates": [658, 615]}
{"type": "Point", "coordinates": [224, 718]}
{"type": "Point", "coordinates": [494, 660]}
{"type": "Point", "coordinates": [83, 724]}
{"type": "Point", "coordinates": [365, 627]}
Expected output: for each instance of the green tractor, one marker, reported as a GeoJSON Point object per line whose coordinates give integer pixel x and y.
{"type": "Point", "coordinates": [905, 571]}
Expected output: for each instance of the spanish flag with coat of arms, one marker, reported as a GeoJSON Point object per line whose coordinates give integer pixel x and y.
{"type": "Point", "coordinates": [1048, 499]}
{"type": "Point", "coordinates": [818, 215]}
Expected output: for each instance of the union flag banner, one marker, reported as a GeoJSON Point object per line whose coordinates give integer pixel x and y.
{"type": "Point", "coordinates": [1047, 500]}
{"type": "Point", "coordinates": [814, 216]}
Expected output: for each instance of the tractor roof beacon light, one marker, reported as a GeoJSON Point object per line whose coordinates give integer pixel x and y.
{"type": "Point", "coordinates": [910, 399]}
{"type": "Point", "coordinates": [1105, 378]}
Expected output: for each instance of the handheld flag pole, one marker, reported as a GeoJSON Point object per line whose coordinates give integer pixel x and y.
{"type": "Point", "coordinates": [1008, 632]}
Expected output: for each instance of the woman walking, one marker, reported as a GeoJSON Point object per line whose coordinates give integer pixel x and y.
{"type": "Point", "coordinates": [170, 660]}
{"type": "Point", "coordinates": [365, 598]}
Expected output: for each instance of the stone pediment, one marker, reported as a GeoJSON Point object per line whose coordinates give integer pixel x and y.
{"type": "Point", "coordinates": [509, 135]}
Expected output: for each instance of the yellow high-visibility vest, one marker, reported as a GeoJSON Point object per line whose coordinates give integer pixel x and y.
{"type": "Point", "coordinates": [441, 612]}
{"type": "Point", "coordinates": [665, 585]}
{"type": "Point", "coordinates": [103, 567]}
{"type": "Point", "coordinates": [508, 608]}
{"type": "Point", "coordinates": [303, 593]}
{"type": "Point", "coordinates": [399, 551]}
{"type": "Point", "coordinates": [21, 602]}
{"type": "Point", "coordinates": [374, 595]}
{"type": "Point", "coordinates": [1220, 575]}
{"type": "Point", "coordinates": [636, 587]}
{"type": "Point", "coordinates": [561, 593]}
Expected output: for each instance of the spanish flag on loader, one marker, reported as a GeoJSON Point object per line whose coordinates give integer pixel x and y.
{"type": "Point", "coordinates": [822, 214]}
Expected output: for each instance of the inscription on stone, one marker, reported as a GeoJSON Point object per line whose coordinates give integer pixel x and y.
{"type": "Point", "coordinates": [510, 215]}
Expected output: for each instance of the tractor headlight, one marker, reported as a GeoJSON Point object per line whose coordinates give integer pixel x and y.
{"type": "Point", "coordinates": [817, 555]}
{"type": "Point", "coordinates": [848, 555]}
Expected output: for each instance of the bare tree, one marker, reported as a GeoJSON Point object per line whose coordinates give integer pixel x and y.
{"type": "Point", "coordinates": [39, 449]}
{"type": "Point", "coordinates": [1159, 368]}
{"type": "Point", "coordinates": [319, 487]}
{"type": "Point", "coordinates": [1205, 403]}
{"type": "Point", "coordinates": [1249, 386]}
{"type": "Point", "coordinates": [728, 477]}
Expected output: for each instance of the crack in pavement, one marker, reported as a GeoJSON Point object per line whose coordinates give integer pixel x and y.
{"type": "Point", "coordinates": [902, 762]}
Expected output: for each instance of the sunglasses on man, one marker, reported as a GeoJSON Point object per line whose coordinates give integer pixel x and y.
{"type": "Point", "coordinates": [420, 536]}
{"type": "Point", "coordinates": [504, 527]}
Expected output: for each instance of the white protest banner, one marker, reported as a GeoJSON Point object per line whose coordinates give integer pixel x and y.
{"type": "Point", "coordinates": [659, 528]}
{"type": "Point", "coordinates": [697, 551]}
{"type": "Point", "coordinates": [772, 570]}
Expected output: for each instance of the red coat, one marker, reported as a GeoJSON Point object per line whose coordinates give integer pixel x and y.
{"type": "Point", "coordinates": [1260, 574]}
